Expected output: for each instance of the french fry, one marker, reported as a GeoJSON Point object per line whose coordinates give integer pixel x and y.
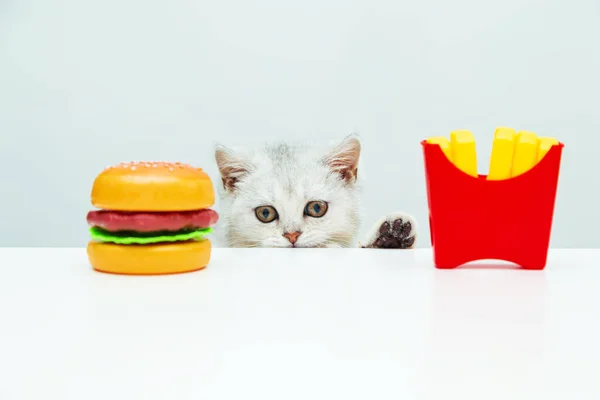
{"type": "Point", "coordinates": [544, 146]}
{"type": "Point", "coordinates": [513, 154]}
{"type": "Point", "coordinates": [443, 143]}
{"type": "Point", "coordinates": [503, 149]}
{"type": "Point", "coordinates": [526, 150]}
{"type": "Point", "coordinates": [464, 153]}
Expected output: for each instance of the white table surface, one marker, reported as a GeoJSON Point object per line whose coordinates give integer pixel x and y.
{"type": "Point", "coordinates": [300, 324]}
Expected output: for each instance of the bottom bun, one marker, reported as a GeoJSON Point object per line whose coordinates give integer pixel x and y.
{"type": "Point", "coordinates": [151, 259]}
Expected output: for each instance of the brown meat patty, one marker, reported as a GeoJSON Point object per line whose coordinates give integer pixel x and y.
{"type": "Point", "coordinates": [152, 221]}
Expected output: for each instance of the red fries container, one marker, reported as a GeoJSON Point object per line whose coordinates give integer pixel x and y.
{"type": "Point", "coordinates": [474, 219]}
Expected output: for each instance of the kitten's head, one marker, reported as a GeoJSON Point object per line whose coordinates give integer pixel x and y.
{"type": "Point", "coordinates": [290, 196]}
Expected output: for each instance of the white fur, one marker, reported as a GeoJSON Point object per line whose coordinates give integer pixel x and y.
{"type": "Point", "coordinates": [287, 177]}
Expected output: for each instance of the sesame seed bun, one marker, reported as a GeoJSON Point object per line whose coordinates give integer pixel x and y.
{"type": "Point", "coordinates": [153, 186]}
{"type": "Point", "coordinates": [163, 258]}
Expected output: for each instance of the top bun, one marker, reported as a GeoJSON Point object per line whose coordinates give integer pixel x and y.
{"type": "Point", "coordinates": [153, 186]}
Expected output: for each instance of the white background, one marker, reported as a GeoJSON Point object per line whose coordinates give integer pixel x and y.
{"type": "Point", "coordinates": [85, 84]}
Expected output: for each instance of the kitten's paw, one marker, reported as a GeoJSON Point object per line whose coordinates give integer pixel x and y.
{"type": "Point", "coordinates": [396, 231]}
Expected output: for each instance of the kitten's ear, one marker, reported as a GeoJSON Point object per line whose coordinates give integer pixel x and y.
{"type": "Point", "coordinates": [232, 167]}
{"type": "Point", "coordinates": [343, 159]}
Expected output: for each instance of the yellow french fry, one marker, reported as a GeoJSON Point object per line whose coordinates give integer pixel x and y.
{"type": "Point", "coordinates": [503, 149]}
{"type": "Point", "coordinates": [526, 150]}
{"type": "Point", "coordinates": [443, 143]}
{"type": "Point", "coordinates": [544, 146]}
{"type": "Point", "coordinates": [464, 153]}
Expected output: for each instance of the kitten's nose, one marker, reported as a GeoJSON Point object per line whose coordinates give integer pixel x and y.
{"type": "Point", "coordinates": [292, 236]}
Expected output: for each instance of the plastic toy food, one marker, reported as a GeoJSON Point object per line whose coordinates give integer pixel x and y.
{"type": "Point", "coordinates": [544, 146]}
{"type": "Point", "coordinates": [153, 219]}
{"type": "Point", "coordinates": [525, 155]}
{"type": "Point", "coordinates": [463, 151]}
{"type": "Point", "coordinates": [503, 150]}
{"type": "Point", "coordinates": [506, 215]}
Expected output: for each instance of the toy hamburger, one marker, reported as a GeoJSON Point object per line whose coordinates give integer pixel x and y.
{"type": "Point", "coordinates": [153, 219]}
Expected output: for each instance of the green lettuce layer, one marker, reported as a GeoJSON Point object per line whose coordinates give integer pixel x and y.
{"type": "Point", "coordinates": [131, 237]}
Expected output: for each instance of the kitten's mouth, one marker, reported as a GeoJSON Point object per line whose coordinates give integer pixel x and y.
{"type": "Point", "coordinates": [295, 246]}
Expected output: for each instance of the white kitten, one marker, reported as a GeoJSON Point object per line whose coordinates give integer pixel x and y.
{"type": "Point", "coordinates": [298, 196]}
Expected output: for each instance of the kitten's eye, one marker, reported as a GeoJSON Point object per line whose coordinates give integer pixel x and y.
{"type": "Point", "coordinates": [266, 214]}
{"type": "Point", "coordinates": [315, 209]}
